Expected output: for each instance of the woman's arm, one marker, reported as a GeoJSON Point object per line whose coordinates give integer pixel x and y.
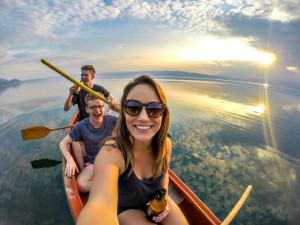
{"type": "Point", "coordinates": [165, 183]}
{"type": "Point", "coordinates": [101, 207]}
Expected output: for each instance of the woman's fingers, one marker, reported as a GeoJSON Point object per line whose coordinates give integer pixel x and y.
{"type": "Point", "coordinates": [162, 215]}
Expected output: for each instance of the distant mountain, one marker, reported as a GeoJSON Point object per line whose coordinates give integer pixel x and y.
{"type": "Point", "coordinates": [162, 74]}
{"type": "Point", "coordinates": [5, 83]}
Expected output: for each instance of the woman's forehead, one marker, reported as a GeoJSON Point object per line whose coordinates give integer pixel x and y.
{"type": "Point", "coordinates": [143, 92]}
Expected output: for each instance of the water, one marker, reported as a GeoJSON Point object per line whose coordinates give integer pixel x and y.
{"type": "Point", "coordinates": [222, 142]}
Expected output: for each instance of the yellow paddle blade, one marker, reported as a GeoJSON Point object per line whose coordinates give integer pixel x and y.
{"type": "Point", "coordinates": [36, 132]}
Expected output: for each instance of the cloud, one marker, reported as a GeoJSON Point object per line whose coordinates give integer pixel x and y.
{"type": "Point", "coordinates": [143, 28]}
{"type": "Point", "coordinates": [292, 68]}
{"type": "Point", "coordinates": [286, 11]}
{"type": "Point", "coordinates": [2, 53]}
{"type": "Point", "coordinates": [48, 20]}
{"type": "Point", "coordinates": [224, 165]}
{"type": "Point", "coordinates": [34, 19]}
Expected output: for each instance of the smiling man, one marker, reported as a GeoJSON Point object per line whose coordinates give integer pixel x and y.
{"type": "Point", "coordinates": [91, 131]}
{"type": "Point", "coordinates": [77, 97]}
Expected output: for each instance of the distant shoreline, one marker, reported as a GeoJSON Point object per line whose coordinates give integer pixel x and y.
{"type": "Point", "coordinates": [6, 83]}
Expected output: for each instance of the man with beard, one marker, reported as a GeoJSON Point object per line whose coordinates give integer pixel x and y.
{"type": "Point", "coordinates": [77, 97]}
{"type": "Point", "coordinates": [91, 131]}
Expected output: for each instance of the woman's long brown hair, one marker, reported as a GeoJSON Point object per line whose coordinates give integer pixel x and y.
{"type": "Point", "coordinates": [160, 143]}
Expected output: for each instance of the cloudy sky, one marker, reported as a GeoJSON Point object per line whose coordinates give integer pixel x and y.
{"type": "Point", "coordinates": [234, 38]}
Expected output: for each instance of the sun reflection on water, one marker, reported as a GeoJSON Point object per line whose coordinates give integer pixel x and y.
{"type": "Point", "coordinates": [221, 105]}
{"type": "Point", "coordinates": [257, 110]}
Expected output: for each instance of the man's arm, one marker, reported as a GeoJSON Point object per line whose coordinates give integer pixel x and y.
{"type": "Point", "coordinates": [68, 103]}
{"type": "Point", "coordinates": [71, 166]}
{"type": "Point", "coordinates": [115, 105]}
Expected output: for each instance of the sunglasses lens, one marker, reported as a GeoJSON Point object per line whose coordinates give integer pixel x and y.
{"type": "Point", "coordinates": [133, 108]}
{"type": "Point", "coordinates": [155, 109]}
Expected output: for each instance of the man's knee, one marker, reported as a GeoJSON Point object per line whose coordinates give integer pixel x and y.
{"type": "Point", "coordinates": [82, 184]}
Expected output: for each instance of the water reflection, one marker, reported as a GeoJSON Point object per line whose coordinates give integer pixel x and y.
{"type": "Point", "coordinates": [218, 133]}
{"type": "Point", "coordinates": [257, 110]}
{"type": "Point", "coordinates": [220, 142]}
{"type": "Point", "coordinates": [3, 88]}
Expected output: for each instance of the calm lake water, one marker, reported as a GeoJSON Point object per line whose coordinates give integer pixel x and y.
{"type": "Point", "coordinates": [226, 135]}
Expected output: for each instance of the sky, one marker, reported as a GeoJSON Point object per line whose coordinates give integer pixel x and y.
{"type": "Point", "coordinates": [234, 38]}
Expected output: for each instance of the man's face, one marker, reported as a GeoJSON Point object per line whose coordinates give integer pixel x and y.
{"type": "Point", "coordinates": [86, 76]}
{"type": "Point", "coordinates": [96, 109]}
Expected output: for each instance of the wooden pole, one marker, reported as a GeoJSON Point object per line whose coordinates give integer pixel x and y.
{"type": "Point", "coordinates": [237, 207]}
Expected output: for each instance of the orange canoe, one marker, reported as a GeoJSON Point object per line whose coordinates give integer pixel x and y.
{"type": "Point", "coordinates": [193, 208]}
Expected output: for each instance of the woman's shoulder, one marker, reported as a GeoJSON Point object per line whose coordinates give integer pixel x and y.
{"type": "Point", "coordinates": [110, 144]}
{"type": "Point", "coordinates": [111, 153]}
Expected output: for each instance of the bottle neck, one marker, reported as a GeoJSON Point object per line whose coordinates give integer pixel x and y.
{"type": "Point", "coordinates": [162, 194]}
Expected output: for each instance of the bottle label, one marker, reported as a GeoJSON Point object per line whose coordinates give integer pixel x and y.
{"type": "Point", "coordinates": [149, 212]}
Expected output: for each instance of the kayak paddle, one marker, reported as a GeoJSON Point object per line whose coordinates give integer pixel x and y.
{"type": "Point", "coordinates": [36, 132]}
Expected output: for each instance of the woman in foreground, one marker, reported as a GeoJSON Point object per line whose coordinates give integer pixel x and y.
{"type": "Point", "coordinates": [133, 164]}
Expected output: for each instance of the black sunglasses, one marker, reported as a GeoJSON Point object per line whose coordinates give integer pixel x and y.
{"type": "Point", "coordinates": [134, 108]}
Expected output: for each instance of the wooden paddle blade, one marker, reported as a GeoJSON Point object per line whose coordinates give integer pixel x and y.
{"type": "Point", "coordinates": [32, 133]}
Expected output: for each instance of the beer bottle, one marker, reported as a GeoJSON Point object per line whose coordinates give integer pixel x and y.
{"type": "Point", "coordinates": [78, 89]}
{"type": "Point", "coordinates": [75, 93]}
{"type": "Point", "coordinates": [157, 205]}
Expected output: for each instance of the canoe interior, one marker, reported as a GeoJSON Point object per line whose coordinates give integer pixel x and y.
{"type": "Point", "coordinates": [196, 212]}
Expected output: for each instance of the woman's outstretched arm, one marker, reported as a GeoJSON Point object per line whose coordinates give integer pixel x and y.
{"type": "Point", "coordinates": [101, 207]}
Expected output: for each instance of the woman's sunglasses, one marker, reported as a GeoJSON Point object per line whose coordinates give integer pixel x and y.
{"type": "Point", "coordinates": [134, 108]}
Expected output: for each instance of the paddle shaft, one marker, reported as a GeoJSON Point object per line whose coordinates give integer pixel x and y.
{"type": "Point", "coordinates": [59, 128]}
{"type": "Point", "coordinates": [89, 90]}
{"type": "Point", "coordinates": [237, 207]}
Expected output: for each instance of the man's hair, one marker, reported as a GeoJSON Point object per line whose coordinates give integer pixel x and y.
{"type": "Point", "coordinates": [90, 68]}
{"type": "Point", "coordinates": [90, 97]}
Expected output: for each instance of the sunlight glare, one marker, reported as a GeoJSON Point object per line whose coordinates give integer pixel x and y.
{"type": "Point", "coordinates": [257, 109]}
{"type": "Point", "coordinates": [223, 50]}
{"type": "Point", "coordinates": [266, 58]}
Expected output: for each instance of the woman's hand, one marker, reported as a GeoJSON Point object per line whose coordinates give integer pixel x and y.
{"type": "Point", "coordinates": [162, 215]}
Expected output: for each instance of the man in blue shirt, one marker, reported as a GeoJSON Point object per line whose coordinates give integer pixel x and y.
{"type": "Point", "coordinates": [91, 131]}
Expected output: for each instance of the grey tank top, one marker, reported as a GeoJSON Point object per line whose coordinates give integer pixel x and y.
{"type": "Point", "coordinates": [135, 193]}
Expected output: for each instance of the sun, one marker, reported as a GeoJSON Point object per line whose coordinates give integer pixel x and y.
{"type": "Point", "coordinates": [266, 58]}
{"type": "Point", "coordinates": [213, 49]}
